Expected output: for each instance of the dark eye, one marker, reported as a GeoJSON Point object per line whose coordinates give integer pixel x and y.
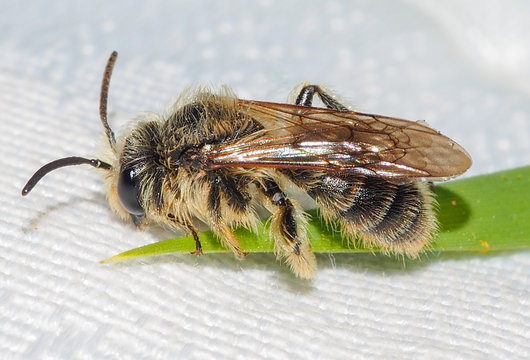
{"type": "Point", "coordinates": [128, 191]}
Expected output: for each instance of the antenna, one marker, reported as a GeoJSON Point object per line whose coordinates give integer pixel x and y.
{"type": "Point", "coordinates": [104, 94]}
{"type": "Point", "coordinates": [76, 160]}
{"type": "Point", "coordinates": [59, 163]}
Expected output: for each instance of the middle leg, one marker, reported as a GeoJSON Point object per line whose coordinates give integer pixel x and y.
{"type": "Point", "coordinates": [219, 225]}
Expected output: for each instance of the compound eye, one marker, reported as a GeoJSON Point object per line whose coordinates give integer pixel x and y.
{"type": "Point", "coordinates": [128, 191]}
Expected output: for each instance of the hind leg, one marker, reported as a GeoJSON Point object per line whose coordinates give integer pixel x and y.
{"type": "Point", "coordinates": [305, 98]}
{"type": "Point", "coordinates": [288, 230]}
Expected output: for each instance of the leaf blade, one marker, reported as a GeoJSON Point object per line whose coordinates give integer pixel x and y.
{"type": "Point", "coordinates": [479, 214]}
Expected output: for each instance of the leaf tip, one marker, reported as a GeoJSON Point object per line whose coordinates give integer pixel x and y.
{"type": "Point", "coordinates": [113, 259]}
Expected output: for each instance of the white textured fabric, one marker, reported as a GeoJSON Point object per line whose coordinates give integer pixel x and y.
{"type": "Point", "coordinates": [461, 65]}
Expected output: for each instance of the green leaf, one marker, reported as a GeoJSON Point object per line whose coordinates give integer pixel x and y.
{"type": "Point", "coordinates": [480, 214]}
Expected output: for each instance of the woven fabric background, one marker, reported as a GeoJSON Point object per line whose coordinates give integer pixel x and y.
{"type": "Point", "coordinates": [460, 65]}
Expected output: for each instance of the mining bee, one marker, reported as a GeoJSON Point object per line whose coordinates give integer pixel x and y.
{"type": "Point", "coordinates": [213, 157]}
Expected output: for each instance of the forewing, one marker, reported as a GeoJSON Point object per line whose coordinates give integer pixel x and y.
{"type": "Point", "coordinates": [300, 137]}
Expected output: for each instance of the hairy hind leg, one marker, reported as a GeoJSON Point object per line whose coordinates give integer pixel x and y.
{"type": "Point", "coordinates": [288, 230]}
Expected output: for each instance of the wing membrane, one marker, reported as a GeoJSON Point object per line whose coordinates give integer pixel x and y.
{"type": "Point", "coordinates": [300, 137]}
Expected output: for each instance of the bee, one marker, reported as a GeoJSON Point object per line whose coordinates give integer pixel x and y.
{"type": "Point", "coordinates": [213, 158]}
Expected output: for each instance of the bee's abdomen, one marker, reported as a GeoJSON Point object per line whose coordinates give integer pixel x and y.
{"type": "Point", "coordinates": [396, 217]}
{"type": "Point", "coordinates": [370, 200]}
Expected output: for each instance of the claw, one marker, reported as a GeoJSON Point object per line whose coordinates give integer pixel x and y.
{"type": "Point", "coordinates": [197, 252]}
{"type": "Point", "coordinates": [240, 254]}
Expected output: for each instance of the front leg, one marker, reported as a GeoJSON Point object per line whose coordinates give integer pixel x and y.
{"type": "Point", "coordinates": [193, 231]}
{"type": "Point", "coordinates": [198, 246]}
{"type": "Point", "coordinates": [305, 98]}
{"type": "Point", "coordinates": [288, 230]}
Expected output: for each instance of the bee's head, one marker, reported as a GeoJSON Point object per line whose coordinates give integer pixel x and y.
{"type": "Point", "coordinates": [135, 180]}
{"type": "Point", "coordinates": [124, 191]}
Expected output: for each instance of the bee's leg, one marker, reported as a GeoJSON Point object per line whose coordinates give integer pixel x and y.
{"type": "Point", "coordinates": [305, 98]}
{"type": "Point", "coordinates": [228, 239]}
{"type": "Point", "coordinates": [288, 230]}
{"type": "Point", "coordinates": [198, 246]}
{"type": "Point", "coordinates": [219, 227]}
{"type": "Point", "coordinates": [192, 229]}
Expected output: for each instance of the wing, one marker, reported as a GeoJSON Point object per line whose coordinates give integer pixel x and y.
{"type": "Point", "coordinates": [298, 137]}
